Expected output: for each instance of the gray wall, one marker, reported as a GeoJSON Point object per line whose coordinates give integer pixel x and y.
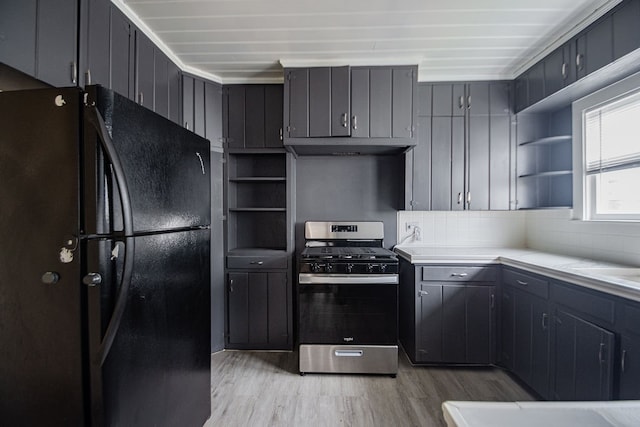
{"type": "Point", "coordinates": [358, 188]}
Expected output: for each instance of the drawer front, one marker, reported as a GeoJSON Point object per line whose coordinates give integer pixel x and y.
{"type": "Point", "coordinates": [256, 262]}
{"type": "Point", "coordinates": [631, 318]}
{"type": "Point", "coordinates": [596, 306]}
{"type": "Point", "coordinates": [459, 274]}
{"type": "Point", "coordinates": [526, 282]}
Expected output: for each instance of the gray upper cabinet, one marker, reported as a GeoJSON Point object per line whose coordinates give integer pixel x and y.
{"type": "Point", "coordinates": [626, 31]}
{"type": "Point", "coordinates": [175, 92]}
{"type": "Point", "coordinates": [468, 161]}
{"type": "Point", "coordinates": [213, 111]}
{"type": "Point", "coordinates": [329, 101]}
{"type": "Point", "coordinates": [594, 49]}
{"type": "Point", "coordinates": [39, 38]}
{"type": "Point", "coordinates": [187, 102]}
{"type": "Point", "coordinates": [144, 70]}
{"type": "Point", "coordinates": [297, 102]}
{"type": "Point", "coordinates": [254, 116]}
{"type": "Point", "coordinates": [94, 54]}
{"type": "Point", "coordinates": [122, 48]}
{"type": "Point", "coordinates": [536, 82]}
{"type": "Point", "coordinates": [161, 84]}
{"type": "Point", "coordinates": [560, 68]}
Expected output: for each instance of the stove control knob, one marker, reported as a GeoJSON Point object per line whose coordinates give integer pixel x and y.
{"type": "Point", "coordinates": [370, 268]}
{"type": "Point", "coordinates": [328, 268]}
{"type": "Point", "coordinates": [349, 268]}
{"type": "Point", "coordinates": [383, 268]}
{"type": "Point", "coordinates": [315, 267]}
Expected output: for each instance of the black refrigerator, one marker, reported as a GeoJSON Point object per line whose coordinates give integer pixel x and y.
{"type": "Point", "coordinates": [104, 263]}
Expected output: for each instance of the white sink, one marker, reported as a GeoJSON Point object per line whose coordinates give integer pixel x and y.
{"type": "Point", "coordinates": [626, 273]}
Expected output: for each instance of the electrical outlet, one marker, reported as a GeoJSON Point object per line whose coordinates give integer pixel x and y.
{"type": "Point", "coordinates": [410, 226]}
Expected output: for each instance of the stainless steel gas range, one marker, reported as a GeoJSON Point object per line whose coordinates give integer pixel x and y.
{"type": "Point", "coordinates": [347, 300]}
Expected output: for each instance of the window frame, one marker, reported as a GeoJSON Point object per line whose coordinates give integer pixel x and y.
{"type": "Point", "coordinates": [584, 208]}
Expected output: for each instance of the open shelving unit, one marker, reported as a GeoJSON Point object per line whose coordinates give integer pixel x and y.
{"type": "Point", "coordinates": [545, 164]}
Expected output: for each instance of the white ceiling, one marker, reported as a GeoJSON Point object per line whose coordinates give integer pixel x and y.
{"type": "Point", "coordinates": [238, 41]}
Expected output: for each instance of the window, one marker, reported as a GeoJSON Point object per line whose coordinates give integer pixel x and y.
{"type": "Point", "coordinates": [607, 163]}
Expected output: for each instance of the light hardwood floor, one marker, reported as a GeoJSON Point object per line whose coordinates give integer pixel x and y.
{"type": "Point", "coordinates": [265, 389]}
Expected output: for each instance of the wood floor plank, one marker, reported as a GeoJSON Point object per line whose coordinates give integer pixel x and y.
{"type": "Point", "coordinates": [265, 389]}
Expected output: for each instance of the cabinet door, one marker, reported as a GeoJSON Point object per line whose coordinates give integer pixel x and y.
{"type": "Point", "coordinates": [629, 368]}
{"type": "Point", "coordinates": [254, 119]}
{"type": "Point", "coordinates": [273, 107]}
{"type": "Point", "coordinates": [381, 89]}
{"type": "Point", "coordinates": [458, 164]}
{"type": "Point", "coordinates": [57, 46]}
{"type": "Point", "coordinates": [521, 85]}
{"type": "Point", "coordinates": [422, 167]}
{"type": "Point", "coordinates": [236, 115]}
{"type": "Point", "coordinates": [536, 83]}
{"type": "Point", "coordinates": [507, 327]}
{"type": "Point", "coordinates": [429, 323]}
{"type": "Point", "coordinates": [477, 197]}
{"type": "Point", "coordinates": [121, 54]}
{"type": "Point", "coordinates": [595, 48]}
{"type": "Point", "coordinates": [320, 102]}
{"type": "Point", "coordinates": [144, 70]}
{"type": "Point", "coordinates": [449, 100]}
{"type": "Point", "coordinates": [540, 361]}
{"type": "Point", "coordinates": [626, 32]}
{"type": "Point", "coordinates": [441, 191]}
{"type": "Point", "coordinates": [425, 92]}
{"type": "Point", "coordinates": [238, 308]}
{"type": "Point", "coordinates": [402, 103]}
{"type": "Point", "coordinates": [96, 48]}
{"type": "Point", "coordinates": [213, 110]}
{"type": "Point", "coordinates": [278, 303]}
{"type": "Point", "coordinates": [480, 324]}
{"type": "Point", "coordinates": [187, 103]}
{"type": "Point", "coordinates": [174, 75]}
{"type": "Point", "coordinates": [161, 84]}
{"type": "Point", "coordinates": [360, 102]}
{"type": "Point", "coordinates": [554, 69]}
{"type": "Point", "coordinates": [569, 59]}
{"type": "Point", "coordinates": [297, 81]}
{"type": "Point", "coordinates": [583, 359]}
{"type": "Point", "coordinates": [454, 323]}
{"type": "Point", "coordinates": [18, 35]}
{"type": "Point", "coordinates": [198, 107]}
{"type": "Point", "coordinates": [340, 101]}
{"type": "Point", "coordinates": [500, 177]}
{"type": "Point", "coordinates": [478, 99]}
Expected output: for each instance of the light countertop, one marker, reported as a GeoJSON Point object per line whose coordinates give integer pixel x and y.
{"type": "Point", "coordinates": [548, 414]}
{"type": "Point", "coordinates": [623, 281]}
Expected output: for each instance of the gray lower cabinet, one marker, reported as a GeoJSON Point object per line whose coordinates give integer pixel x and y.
{"type": "Point", "coordinates": [259, 310]}
{"type": "Point", "coordinates": [628, 363]}
{"type": "Point", "coordinates": [583, 359]}
{"type": "Point", "coordinates": [447, 314]}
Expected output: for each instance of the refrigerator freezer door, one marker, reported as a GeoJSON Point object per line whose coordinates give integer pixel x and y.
{"type": "Point", "coordinates": [166, 167]}
{"type": "Point", "coordinates": [158, 369]}
{"type": "Point", "coordinates": [41, 315]}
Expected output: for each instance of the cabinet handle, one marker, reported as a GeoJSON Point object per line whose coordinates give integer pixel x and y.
{"type": "Point", "coordinates": [493, 301]}
{"type": "Point", "coordinates": [469, 102]}
{"type": "Point", "coordinates": [345, 120]}
{"type": "Point", "coordinates": [354, 122]}
{"type": "Point", "coordinates": [186, 125]}
{"type": "Point", "coordinates": [579, 61]}
{"type": "Point", "coordinates": [88, 77]}
{"type": "Point", "coordinates": [622, 361]}
{"type": "Point", "coordinates": [256, 262]}
{"type": "Point", "coordinates": [520, 282]}
{"type": "Point", "coordinates": [564, 70]}
{"type": "Point", "coordinates": [230, 285]}
{"type": "Point", "coordinates": [422, 293]}
{"type": "Point", "coordinates": [459, 274]}
{"type": "Point", "coordinates": [545, 321]}
{"type": "Point", "coordinates": [74, 72]}
{"type": "Point", "coordinates": [468, 197]}
{"type": "Point", "coordinates": [601, 353]}
{"type": "Point", "coordinates": [281, 134]}
{"type": "Point", "coordinates": [461, 102]}
{"type": "Point", "coordinates": [141, 98]}
{"type": "Point", "coordinates": [459, 198]}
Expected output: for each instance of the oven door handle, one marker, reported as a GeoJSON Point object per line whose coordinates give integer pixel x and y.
{"type": "Point", "coordinates": [347, 279]}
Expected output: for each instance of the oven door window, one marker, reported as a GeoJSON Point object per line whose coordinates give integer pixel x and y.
{"type": "Point", "coordinates": [348, 314]}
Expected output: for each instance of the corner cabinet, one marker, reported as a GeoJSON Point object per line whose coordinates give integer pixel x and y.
{"type": "Point", "coordinates": [447, 313]}
{"type": "Point", "coordinates": [463, 156]}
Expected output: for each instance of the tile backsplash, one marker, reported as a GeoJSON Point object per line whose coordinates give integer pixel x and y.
{"type": "Point", "coordinates": [551, 230]}
{"type": "Point", "coordinates": [465, 228]}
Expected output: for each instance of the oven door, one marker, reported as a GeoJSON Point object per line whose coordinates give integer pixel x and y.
{"type": "Point", "coordinates": [348, 310]}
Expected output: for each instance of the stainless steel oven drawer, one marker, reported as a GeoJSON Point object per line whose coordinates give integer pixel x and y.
{"type": "Point", "coordinates": [346, 359]}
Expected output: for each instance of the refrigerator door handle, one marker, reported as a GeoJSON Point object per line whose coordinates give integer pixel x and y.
{"type": "Point", "coordinates": [92, 115]}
